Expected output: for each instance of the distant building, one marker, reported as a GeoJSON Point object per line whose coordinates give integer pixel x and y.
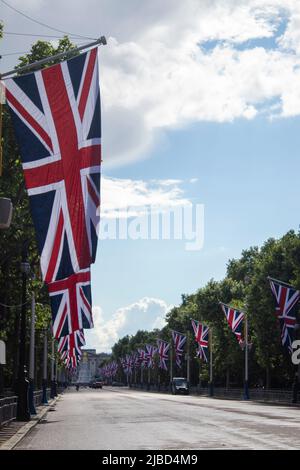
{"type": "Point", "coordinates": [89, 365]}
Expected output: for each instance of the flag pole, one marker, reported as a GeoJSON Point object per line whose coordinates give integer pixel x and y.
{"type": "Point", "coordinates": [188, 368]}
{"type": "Point", "coordinates": [211, 386]}
{"type": "Point", "coordinates": [149, 377]}
{"type": "Point", "coordinates": [279, 282]}
{"type": "Point", "coordinates": [171, 366]}
{"type": "Point", "coordinates": [65, 55]}
{"type": "Point", "coordinates": [246, 385]}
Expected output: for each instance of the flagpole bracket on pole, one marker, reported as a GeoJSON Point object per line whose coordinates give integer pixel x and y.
{"type": "Point", "coordinates": [62, 55]}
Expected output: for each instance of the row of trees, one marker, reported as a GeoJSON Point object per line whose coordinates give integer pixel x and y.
{"type": "Point", "coordinates": [245, 287]}
{"type": "Point", "coordinates": [19, 241]}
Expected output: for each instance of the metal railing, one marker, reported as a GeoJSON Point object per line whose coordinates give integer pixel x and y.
{"type": "Point", "coordinates": [8, 405]}
{"type": "Point", "coordinates": [256, 394]}
{"type": "Point", "coordinates": [8, 409]}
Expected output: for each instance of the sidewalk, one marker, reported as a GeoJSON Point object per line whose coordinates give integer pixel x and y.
{"type": "Point", "coordinates": [12, 433]}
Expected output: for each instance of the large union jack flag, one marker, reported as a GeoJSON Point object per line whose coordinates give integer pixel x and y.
{"type": "Point", "coordinates": [67, 355]}
{"type": "Point", "coordinates": [150, 352]}
{"type": "Point", "coordinates": [201, 337]}
{"type": "Point", "coordinates": [71, 304]}
{"type": "Point", "coordinates": [235, 321]}
{"type": "Point", "coordinates": [142, 361]}
{"type": "Point", "coordinates": [72, 360]}
{"type": "Point", "coordinates": [71, 342]}
{"type": "Point", "coordinates": [56, 115]}
{"type": "Point", "coordinates": [126, 363]}
{"type": "Point", "coordinates": [163, 350]}
{"type": "Point", "coordinates": [179, 340]}
{"type": "Point", "coordinates": [287, 298]}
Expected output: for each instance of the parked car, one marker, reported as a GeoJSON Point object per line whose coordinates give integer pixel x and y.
{"type": "Point", "coordinates": [180, 385]}
{"type": "Point", "coordinates": [96, 385]}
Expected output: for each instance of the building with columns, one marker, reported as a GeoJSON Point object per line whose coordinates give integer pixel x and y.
{"type": "Point", "coordinates": [88, 369]}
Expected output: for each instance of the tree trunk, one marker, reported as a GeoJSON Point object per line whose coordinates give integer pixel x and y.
{"type": "Point", "coordinates": [227, 378]}
{"type": "Point", "coordinates": [268, 377]}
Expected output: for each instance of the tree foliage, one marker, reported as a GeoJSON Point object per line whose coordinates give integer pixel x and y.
{"type": "Point", "coordinates": [247, 288]}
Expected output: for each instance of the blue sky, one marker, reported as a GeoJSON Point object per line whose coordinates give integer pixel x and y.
{"type": "Point", "coordinates": [248, 181]}
{"type": "Point", "coordinates": [200, 105]}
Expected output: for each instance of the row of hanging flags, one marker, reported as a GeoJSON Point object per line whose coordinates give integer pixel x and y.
{"type": "Point", "coordinates": [145, 358]}
{"type": "Point", "coordinates": [56, 118]}
{"type": "Point", "coordinates": [287, 298]}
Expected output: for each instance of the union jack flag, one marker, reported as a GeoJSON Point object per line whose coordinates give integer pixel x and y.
{"type": "Point", "coordinates": [126, 364]}
{"type": "Point", "coordinates": [72, 361]}
{"type": "Point", "coordinates": [150, 352]}
{"type": "Point", "coordinates": [56, 116]}
{"type": "Point", "coordinates": [130, 362]}
{"type": "Point", "coordinates": [135, 360]}
{"type": "Point", "coordinates": [113, 368]}
{"type": "Point", "coordinates": [179, 340]}
{"type": "Point", "coordinates": [142, 361]}
{"type": "Point", "coordinates": [71, 357]}
{"type": "Point", "coordinates": [201, 337]}
{"type": "Point", "coordinates": [71, 304]}
{"type": "Point", "coordinates": [235, 321]}
{"type": "Point", "coordinates": [163, 349]}
{"type": "Point", "coordinates": [66, 356]}
{"type": "Point", "coordinates": [287, 298]}
{"type": "Point", "coordinates": [71, 342]}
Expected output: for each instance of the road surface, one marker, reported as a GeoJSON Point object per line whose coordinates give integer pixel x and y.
{"type": "Point", "coordinates": [118, 418]}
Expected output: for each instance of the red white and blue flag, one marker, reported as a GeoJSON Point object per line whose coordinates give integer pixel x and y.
{"type": "Point", "coordinates": [72, 342]}
{"type": "Point", "coordinates": [179, 340]}
{"type": "Point", "coordinates": [287, 298]}
{"type": "Point", "coordinates": [201, 337]}
{"type": "Point", "coordinates": [142, 361]}
{"type": "Point", "coordinates": [126, 364]}
{"type": "Point", "coordinates": [109, 370]}
{"type": "Point", "coordinates": [56, 116]}
{"type": "Point", "coordinates": [163, 351]}
{"type": "Point", "coordinates": [71, 361]}
{"type": "Point", "coordinates": [235, 321]}
{"type": "Point", "coordinates": [71, 304]}
{"type": "Point", "coordinates": [150, 352]}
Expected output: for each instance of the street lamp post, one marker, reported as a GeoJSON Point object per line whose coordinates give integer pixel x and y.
{"type": "Point", "coordinates": [32, 359]}
{"type": "Point", "coordinates": [23, 413]}
{"type": "Point", "coordinates": [53, 385]}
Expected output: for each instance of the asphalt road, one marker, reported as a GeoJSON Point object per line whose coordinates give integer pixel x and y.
{"type": "Point", "coordinates": [116, 418]}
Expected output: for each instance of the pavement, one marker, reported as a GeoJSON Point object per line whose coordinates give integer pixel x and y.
{"type": "Point", "coordinates": [14, 432]}
{"type": "Point", "coordinates": [119, 418]}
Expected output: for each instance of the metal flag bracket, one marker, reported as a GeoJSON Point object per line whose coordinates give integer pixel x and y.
{"type": "Point", "coordinates": [101, 41]}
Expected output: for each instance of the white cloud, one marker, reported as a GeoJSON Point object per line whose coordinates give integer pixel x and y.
{"type": "Point", "coordinates": [145, 314]}
{"type": "Point", "coordinates": [164, 77]}
{"type": "Point", "coordinates": [130, 198]}
{"type": "Point", "coordinates": [157, 72]}
{"type": "Point", "coordinates": [30, 4]}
